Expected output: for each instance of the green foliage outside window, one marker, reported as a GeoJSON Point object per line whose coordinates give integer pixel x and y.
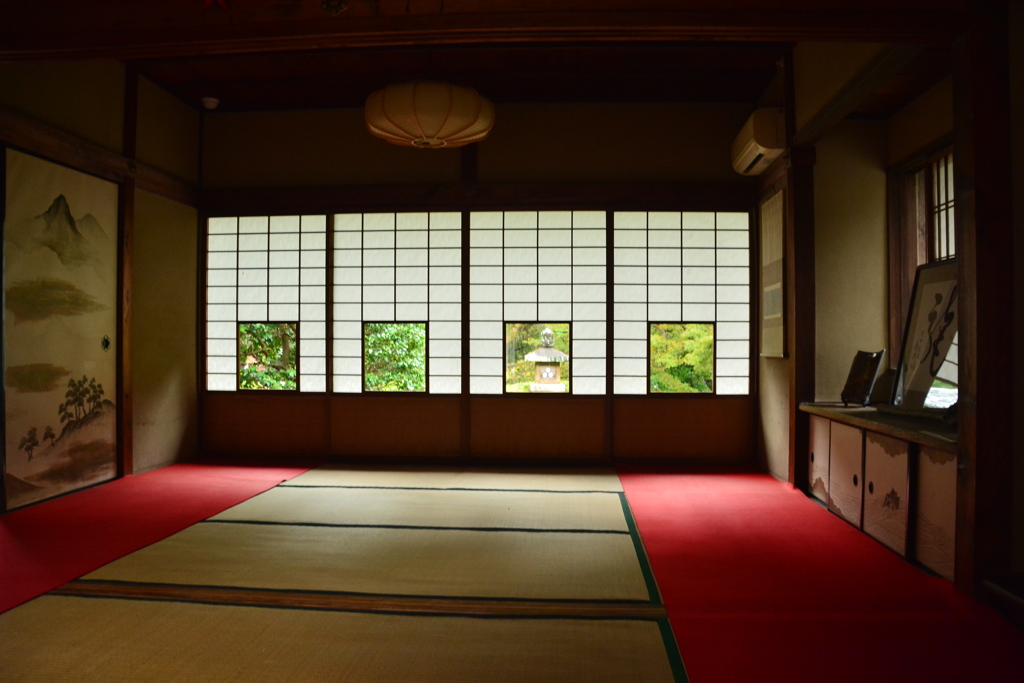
{"type": "Point", "coordinates": [524, 338]}
{"type": "Point", "coordinates": [682, 358]}
{"type": "Point", "coordinates": [266, 355]}
{"type": "Point", "coordinates": [395, 356]}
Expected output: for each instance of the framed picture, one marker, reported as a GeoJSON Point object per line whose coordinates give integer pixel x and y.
{"type": "Point", "coordinates": [863, 375]}
{"type": "Point", "coordinates": [926, 376]}
{"type": "Point", "coordinates": [773, 293]}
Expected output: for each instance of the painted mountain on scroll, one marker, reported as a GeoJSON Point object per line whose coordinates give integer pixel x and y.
{"type": "Point", "coordinates": [60, 365]}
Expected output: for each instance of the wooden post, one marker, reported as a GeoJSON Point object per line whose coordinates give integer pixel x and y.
{"type": "Point", "coordinates": [126, 221]}
{"type": "Point", "coordinates": [984, 215]}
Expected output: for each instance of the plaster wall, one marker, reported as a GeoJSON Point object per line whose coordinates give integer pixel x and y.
{"type": "Point", "coordinates": [168, 133]}
{"type": "Point", "coordinates": [612, 143]}
{"type": "Point", "coordinates": [84, 98]}
{"type": "Point", "coordinates": [317, 148]}
{"type": "Point", "coordinates": [163, 332]}
{"type": "Point", "coordinates": [850, 251]}
{"type": "Point", "coordinates": [822, 70]}
{"type": "Point", "coordinates": [529, 144]}
{"type": "Point", "coordinates": [921, 123]}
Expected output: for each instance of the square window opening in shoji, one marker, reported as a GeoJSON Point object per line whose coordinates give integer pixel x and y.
{"type": "Point", "coordinates": [395, 356]}
{"type": "Point", "coordinates": [681, 358]}
{"type": "Point", "coordinates": [538, 357]}
{"type": "Point", "coordinates": [267, 355]}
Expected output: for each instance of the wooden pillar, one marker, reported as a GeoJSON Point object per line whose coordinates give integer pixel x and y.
{"type": "Point", "coordinates": [126, 221]}
{"type": "Point", "coordinates": [800, 330]}
{"type": "Point", "coordinates": [984, 207]}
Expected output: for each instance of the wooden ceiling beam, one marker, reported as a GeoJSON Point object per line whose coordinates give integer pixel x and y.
{"type": "Point", "coordinates": [139, 36]}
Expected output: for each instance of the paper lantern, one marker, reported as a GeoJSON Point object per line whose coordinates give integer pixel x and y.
{"type": "Point", "coordinates": [429, 115]}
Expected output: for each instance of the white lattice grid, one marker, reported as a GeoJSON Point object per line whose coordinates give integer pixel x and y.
{"type": "Point", "coordinates": [685, 267]}
{"type": "Point", "coordinates": [544, 266]}
{"type": "Point", "coordinates": [266, 269]}
{"type": "Point", "coordinates": [398, 267]}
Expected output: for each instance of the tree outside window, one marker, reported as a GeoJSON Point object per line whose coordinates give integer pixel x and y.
{"type": "Point", "coordinates": [682, 358]}
{"type": "Point", "coordinates": [395, 356]}
{"type": "Point", "coordinates": [266, 355]}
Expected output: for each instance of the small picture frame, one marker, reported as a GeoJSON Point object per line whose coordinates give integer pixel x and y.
{"type": "Point", "coordinates": [861, 380]}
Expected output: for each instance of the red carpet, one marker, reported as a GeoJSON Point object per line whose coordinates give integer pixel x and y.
{"type": "Point", "coordinates": [47, 545]}
{"type": "Point", "coordinates": [763, 584]}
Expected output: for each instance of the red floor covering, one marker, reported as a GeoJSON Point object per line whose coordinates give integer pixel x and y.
{"type": "Point", "coordinates": [46, 545]}
{"type": "Point", "coordinates": [763, 584]}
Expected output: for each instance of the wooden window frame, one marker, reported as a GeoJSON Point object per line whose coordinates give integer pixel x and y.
{"type": "Point", "coordinates": [910, 215]}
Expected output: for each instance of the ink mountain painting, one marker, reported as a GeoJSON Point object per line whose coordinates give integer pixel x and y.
{"type": "Point", "coordinates": [60, 327]}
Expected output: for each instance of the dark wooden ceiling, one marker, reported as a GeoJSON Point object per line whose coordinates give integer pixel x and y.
{"type": "Point", "coordinates": [258, 55]}
{"type": "Point", "coordinates": [691, 72]}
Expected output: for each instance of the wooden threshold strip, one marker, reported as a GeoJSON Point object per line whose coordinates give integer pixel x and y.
{"type": "Point", "coordinates": [391, 604]}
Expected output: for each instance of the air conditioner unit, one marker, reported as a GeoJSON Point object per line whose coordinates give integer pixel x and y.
{"type": "Point", "coordinates": [760, 142]}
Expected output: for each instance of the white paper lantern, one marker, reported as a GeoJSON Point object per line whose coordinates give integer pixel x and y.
{"type": "Point", "coordinates": [429, 115]}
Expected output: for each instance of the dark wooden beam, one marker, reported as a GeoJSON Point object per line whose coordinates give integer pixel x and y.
{"type": "Point", "coordinates": [22, 132]}
{"type": "Point", "coordinates": [984, 216]}
{"type": "Point", "coordinates": [874, 74]}
{"type": "Point", "coordinates": [70, 29]}
{"type": "Point", "coordinates": [732, 196]}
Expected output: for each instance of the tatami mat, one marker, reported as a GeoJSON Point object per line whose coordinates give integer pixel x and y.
{"type": "Point", "coordinates": [433, 508]}
{"type": "Point", "coordinates": [517, 479]}
{"type": "Point", "coordinates": [126, 640]}
{"type": "Point", "coordinates": [546, 565]}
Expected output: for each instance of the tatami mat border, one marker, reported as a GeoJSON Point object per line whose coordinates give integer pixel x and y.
{"type": "Point", "coordinates": [433, 488]}
{"type": "Point", "coordinates": [339, 601]}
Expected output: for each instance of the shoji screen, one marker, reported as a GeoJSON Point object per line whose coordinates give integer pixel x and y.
{"type": "Point", "coordinates": [266, 269]}
{"type": "Point", "coordinates": [684, 267]}
{"type": "Point", "coordinates": [397, 267]}
{"type": "Point", "coordinates": [544, 266]}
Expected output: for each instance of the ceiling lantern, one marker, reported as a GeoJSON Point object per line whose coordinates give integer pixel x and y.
{"type": "Point", "coordinates": [429, 115]}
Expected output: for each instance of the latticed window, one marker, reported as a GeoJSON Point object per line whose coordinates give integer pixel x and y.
{"type": "Point", "coordinates": [941, 229]}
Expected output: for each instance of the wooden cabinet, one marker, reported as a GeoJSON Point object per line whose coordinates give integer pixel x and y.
{"type": "Point", "coordinates": [894, 477]}
{"type": "Point", "coordinates": [886, 490]}
{"type": "Point", "coordinates": [846, 472]}
{"type": "Point", "coordinates": [818, 458]}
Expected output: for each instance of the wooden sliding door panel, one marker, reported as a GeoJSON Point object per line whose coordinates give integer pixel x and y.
{"type": "Point", "coordinates": [846, 472]}
{"type": "Point", "coordinates": [935, 511]}
{"type": "Point", "coordinates": [886, 490]}
{"type": "Point", "coordinates": [819, 458]}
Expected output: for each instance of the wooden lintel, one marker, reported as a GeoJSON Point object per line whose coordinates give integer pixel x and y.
{"type": "Point", "coordinates": [734, 196]}
{"type": "Point", "coordinates": [31, 136]}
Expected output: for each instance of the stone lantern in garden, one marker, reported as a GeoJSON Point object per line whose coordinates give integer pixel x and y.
{"type": "Point", "coordinates": [548, 377]}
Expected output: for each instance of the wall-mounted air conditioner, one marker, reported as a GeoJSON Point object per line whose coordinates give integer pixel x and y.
{"type": "Point", "coordinates": [760, 142]}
